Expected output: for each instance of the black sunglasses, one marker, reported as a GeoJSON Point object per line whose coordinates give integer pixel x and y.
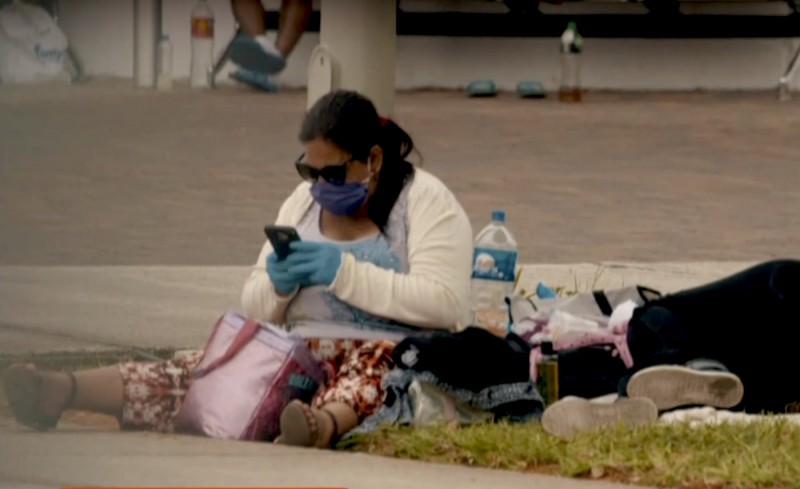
{"type": "Point", "coordinates": [333, 174]}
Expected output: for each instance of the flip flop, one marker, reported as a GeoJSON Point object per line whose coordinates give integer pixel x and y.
{"type": "Point", "coordinates": [251, 55]}
{"type": "Point", "coordinates": [23, 387]}
{"type": "Point", "coordinates": [530, 89]}
{"type": "Point", "coordinates": [300, 427]}
{"type": "Point", "coordinates": [481, 88]}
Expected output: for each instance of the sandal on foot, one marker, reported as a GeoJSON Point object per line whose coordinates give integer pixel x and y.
{"type": "Point", "coordinates": [300, 426]}
{"type": "Point", "coordinates": [23, 389]}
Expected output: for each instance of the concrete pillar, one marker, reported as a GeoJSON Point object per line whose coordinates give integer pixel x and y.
{"type": "Point", "coordinates": [146, 32]}
{"type": "Point", "coordinates": [358, 40]}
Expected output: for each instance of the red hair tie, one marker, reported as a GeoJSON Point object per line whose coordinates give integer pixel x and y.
{"type": "Point", "coordinates": [383, 120]}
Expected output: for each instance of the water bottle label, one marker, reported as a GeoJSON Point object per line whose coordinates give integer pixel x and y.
{"type": "Point", "coordinates": [494, 264]}
{"type": "Point", "coordinates": [203, 27]}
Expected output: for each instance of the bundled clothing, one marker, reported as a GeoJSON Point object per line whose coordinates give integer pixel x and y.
{"type": "Point", "coordinates": [477, 369]}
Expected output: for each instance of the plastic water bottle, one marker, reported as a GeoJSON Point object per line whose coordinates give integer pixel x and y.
{"type": "Point", "coordinates": [202, 44]}
{"type": "Point", "coordinates": [493, 274]}
{"type": "Point", "coordinates": [571, 47]}
{"type": "Point", "coordinates": [164, 81]}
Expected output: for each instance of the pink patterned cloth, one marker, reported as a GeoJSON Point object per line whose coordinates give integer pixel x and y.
{"type": "Point", "coordinates": [566, 331]}
{"type": "Point", "coordinates": [153, 392]}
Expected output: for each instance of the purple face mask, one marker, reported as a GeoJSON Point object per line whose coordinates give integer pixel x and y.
{"type": "Point", "coordinates": [341, 200]}
{"type": "Point", "coordinates": [344, 199]}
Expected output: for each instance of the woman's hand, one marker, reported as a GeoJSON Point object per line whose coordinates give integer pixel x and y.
{"type": "Point", "coordinates": [317, 263]}
{"type": "Point", "coordinates": [285, 281]}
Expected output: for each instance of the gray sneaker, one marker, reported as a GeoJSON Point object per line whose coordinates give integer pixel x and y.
{"type": "Point", "coordinates": [572, 415]}
{"type": "Point", "coordinates": [671, 386]}
{"type": "Point", "coordinates": [258, 55]}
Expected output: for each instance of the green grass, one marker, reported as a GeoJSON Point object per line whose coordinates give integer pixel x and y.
{"type": "Point", "coordinates": [741, 456]}
{"type": "Point", "coordinates": [728, 456]}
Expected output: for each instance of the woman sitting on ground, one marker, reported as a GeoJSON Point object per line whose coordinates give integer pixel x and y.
{"type": "Point", "coordinates": [385, 253]}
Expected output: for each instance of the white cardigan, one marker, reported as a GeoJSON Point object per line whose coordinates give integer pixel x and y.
{"type": "Point", "coordinates": [435, 292]}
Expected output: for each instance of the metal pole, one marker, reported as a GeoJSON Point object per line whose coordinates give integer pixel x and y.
{"type": "Point", "coordinates": [146, 31]}
{"type": "Point", "coordinates": [783, 82]}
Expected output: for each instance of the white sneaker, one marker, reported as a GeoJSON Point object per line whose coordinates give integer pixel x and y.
{"type": "Point", "coordinates": [572, 415]}
{"type": "Point", "coordinates": [670, 386]}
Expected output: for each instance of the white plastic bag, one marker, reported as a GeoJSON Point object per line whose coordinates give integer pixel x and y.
{"type": "Point", "coordinates": [32, 47]}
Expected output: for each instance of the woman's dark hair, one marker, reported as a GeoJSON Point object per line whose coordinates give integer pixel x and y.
{"type": "Point", "coordinates": [349, 120]}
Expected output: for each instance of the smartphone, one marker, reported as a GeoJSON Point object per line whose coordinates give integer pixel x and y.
{"type": "Point", "coordinates": [280, 237]}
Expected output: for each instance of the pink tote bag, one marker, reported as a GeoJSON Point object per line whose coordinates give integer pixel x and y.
{"type": "Point", "coordinates": [249, 372]}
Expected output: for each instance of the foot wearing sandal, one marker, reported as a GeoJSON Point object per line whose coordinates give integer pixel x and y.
{"type": "Point", "coordinates": [569, 416]}
{"type": "Point", "coordinates": [699, 383]}
{"type": "Point", "coordinates": [38, 398]}
{"type": "Point", "coordinates": [304, 426]}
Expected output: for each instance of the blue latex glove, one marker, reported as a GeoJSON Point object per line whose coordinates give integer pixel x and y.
{"type": "Point", "coordinates": [317, 262]}
{"type": "Point", "coordinates": [545, 292]}
{"type": "Point", "coordinates": [283, 279]}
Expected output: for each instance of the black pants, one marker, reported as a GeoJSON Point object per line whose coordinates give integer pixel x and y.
{"type": "Point", "coordinates": [749, 321]}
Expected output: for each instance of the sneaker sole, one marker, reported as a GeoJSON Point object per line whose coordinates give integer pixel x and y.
{"type": "Point", "coordinates": [671, 386]}
{"type": "Point", "coordinates": [572, 415]}
{"type": "Point", "coordinates": [251, 56]}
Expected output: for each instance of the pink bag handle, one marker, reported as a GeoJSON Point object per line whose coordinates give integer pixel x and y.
{"type": "Point", "coordinates": [244, 336]}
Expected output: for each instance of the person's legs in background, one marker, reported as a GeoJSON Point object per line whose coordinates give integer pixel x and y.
{"type": "Point", "coordinates": [249, 14]}
{"type": "Point", "coordinates": [294, 20]}
{"type": "Point", "coordinates": [259, 57]}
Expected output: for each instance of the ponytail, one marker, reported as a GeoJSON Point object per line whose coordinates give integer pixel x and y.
{"type": "Point", "coordinates": [395, 171]}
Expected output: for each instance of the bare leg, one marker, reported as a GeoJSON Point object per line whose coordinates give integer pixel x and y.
{"type": "Point", "coordinates": [96, 390]}
{"type": "Point", "coordinates": [293, 23]}
{"type": "Point", "coordinates": [354, 394]}
{"type": "Point", "coordinates": [250, 16]}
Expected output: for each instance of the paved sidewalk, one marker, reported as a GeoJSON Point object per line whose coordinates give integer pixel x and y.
{"type": "Point", "coordinates": [85, 457]}
{"type": "Point", "coordinates": [104, 174]}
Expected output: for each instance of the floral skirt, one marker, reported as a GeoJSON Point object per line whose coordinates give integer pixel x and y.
{"type": "Point", "coordinates": [154, 391]}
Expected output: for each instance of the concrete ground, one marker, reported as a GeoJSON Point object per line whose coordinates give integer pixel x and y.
{"type": "Point", "coordinates": [90, 458]}
{"type": "Point", "coordinates": [129, 218]}
{"type": "Point", "coordinates": [103, 174]}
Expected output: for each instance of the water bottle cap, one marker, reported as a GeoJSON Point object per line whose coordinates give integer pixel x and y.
{"type": "Point", "coordinates": [499, 215]}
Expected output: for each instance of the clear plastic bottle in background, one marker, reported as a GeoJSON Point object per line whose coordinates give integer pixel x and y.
{"type": "Point", "coordinates": [493, 274]}
{"type": "Point", "coordinates": [571, 48]}
{"type": "Point", "coordinates": [164, 81]}
{"type": "Point", "coordinates": [202, 44]}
